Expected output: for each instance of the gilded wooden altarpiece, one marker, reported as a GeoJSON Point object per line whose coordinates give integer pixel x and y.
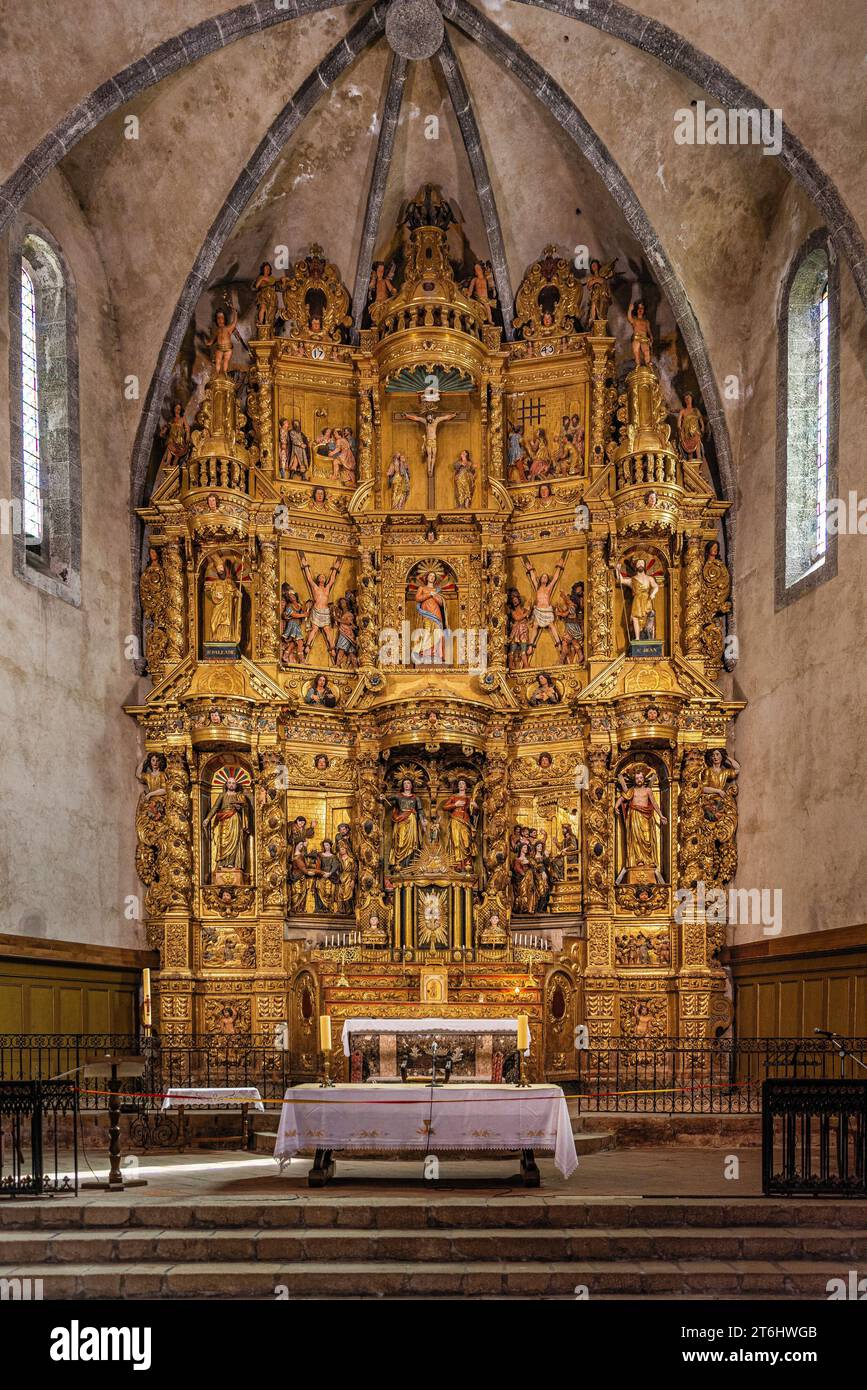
{"type": "Point", "coordinates": [434, 624]}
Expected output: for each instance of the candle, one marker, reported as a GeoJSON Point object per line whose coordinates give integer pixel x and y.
{"type": "Point", "coordinates": [325, 1032]}
{"type": "Point", "coordinates": [523, 1033]}
{"type": "Point", "coordinates": [146, 999]}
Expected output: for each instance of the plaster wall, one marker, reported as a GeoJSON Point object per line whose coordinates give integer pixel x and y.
{"type": "Point", "coordinates": [68, 750]}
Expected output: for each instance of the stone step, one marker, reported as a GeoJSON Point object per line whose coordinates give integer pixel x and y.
{"type": "Point", "coordinates": [107, 1247]}
{"type": "Point", "coordinates": [425, 1279]}
{"type": "Point", "coordinates": [426, 1211]}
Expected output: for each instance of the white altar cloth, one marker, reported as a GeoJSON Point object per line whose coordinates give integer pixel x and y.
{"type": "Point", "coordinates": [193, 1097]}
{"type": "Point", "coordinates": [425, 1025]}
{"type": "Point", "coordinates": [434, 1119]}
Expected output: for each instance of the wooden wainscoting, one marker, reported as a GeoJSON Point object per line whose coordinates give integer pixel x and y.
{"type": "Point", "coordinates": [784, 988]}
{"type": "Point", "coordinates": [68, 986]}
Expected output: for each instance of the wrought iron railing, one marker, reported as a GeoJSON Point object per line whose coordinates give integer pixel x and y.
{"type": "Point", "coordinates": [669, 1076]}
{"type": "Point", "coordinates": [814, 1138]}
{"type": "Point", "coordinates": [38, 1148]}
{"type": "Point", "coordinates": [663, 1076]}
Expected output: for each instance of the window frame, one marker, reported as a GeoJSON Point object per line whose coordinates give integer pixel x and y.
{"type": "Point", "coordinates": [819, 573]}
{"type": "Point", "coordinates": [51, 563]}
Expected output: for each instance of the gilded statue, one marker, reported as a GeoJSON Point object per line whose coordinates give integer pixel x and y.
{"type": "Point", "coordinates": [265, 286]}
{"type": "Point", "coordinates": [152, 588]}
{"type": "Point", "coordinates": [399, 480]}
{"type": "Point", "coordinates": [408, 823]}
{"type": "Point", "coordinates": [642, 819]}
{"type": "Point", "coordinates": [643, 588]}
{"type": "Point", "coordinates": [465, 479]}
{"type": "Point", "coordinates": [691, 428]}
{"type": "Point", "coordinates": [176, 433]}
{"type": "Point", "coordinates": [598, 287]}
{"type": "Point", "coordinates": [461, 808]}
{"type": "Point", "coordinates": [227, 826]}
{"type": "Point", "coordinates": [222, 603]}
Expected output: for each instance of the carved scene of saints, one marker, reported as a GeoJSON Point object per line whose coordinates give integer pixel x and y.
{"type": "Point", "coordinates": [228, 826]}
{"type": "Point", "coordinates": [641, 819]}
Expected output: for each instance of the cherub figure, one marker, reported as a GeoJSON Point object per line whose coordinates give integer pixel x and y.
{"type": "Point", "coordinates": [381, 285]}
{"type": "Point", "coordinates": [642, 334]}
{"type": "Point", "coordinates": [221, 339]}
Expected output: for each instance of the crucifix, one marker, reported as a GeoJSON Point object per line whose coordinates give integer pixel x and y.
{"type": "Point", "coordinates": [431, 422]}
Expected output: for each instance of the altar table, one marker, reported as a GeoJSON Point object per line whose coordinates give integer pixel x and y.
{"type": "Point", "coordinates": [431, 1119]}
{"type": "Point", "coordinates": [182, 1098]}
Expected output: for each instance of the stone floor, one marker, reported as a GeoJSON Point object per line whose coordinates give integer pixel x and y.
{"type": "Point", "coordinates": [662, 1172]}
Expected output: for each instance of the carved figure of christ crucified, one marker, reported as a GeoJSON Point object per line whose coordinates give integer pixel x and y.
{"type": "Point", "coordinates": [430, 423]}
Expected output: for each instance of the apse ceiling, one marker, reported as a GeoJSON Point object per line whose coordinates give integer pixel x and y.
{"type": "Point", "coordinates": [220, 176]}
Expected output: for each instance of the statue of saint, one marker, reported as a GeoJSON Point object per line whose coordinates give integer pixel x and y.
{"type": "Point", "coordinates": [265, 286]}
{"type": "Point", "coordinates": [465, 479]}
{"type": "Point", "coordinates": [642, 819]}
{"type": "Point", "coordinates": [152, 775]}
{"type": "Point", "coordinates": [227, 825]}
{"type": "Point", "coordinates": [545, 586]}
{"type": "Point", "coordinates": [176, 433]}
{"type": "Point", "coordinates": [461, 808]}
{"type": "Point", "coordinates": [429, 593]}
{"type": "Point", "coordinates": [222, 604]}
{"type": "Point", "coordinates": [398, 477]}
{"type": "Point", "coordinates": [321, 586]}
{"type": "Point", "coordinates": [598, 287]}
{"type": "Point", "coordinates": [690, 428]}
{"type": "Point", "coordinates": [644, 588]}
{"type": "Point", "coordinates": [407, 823]}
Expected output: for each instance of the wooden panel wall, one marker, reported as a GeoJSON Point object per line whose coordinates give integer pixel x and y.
{"type": "Point", "coordinates": [785, 989]}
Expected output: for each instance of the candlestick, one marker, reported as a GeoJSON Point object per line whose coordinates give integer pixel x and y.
{"type": "Point", "coordinates": [523, 1046]}
{"type": "Point", "coordinates": [325, 1048]}
{"type": "Point", "coordinates": [146, 1000]}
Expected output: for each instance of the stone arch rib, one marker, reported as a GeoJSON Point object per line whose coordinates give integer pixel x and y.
{"type": "Point", "coordinates": [543, 86]}
{"type": "Point", "coordinates": [659, 41]}
{"type": "Point", "coordinates": [284, 126]}
{"type": "Point", "coordinates": [450, 68]}
{"type": "Point", "coordinates": [168, 57]}
{"type": "Point", "coordinates": [378, 180]}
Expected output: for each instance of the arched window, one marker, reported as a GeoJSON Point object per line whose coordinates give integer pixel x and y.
{"type": "Point", "coordinates": [45, 514]}
{"type": "Point", "coordinates": [808, 419]}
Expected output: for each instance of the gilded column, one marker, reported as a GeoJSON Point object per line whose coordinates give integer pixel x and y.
{"type": "Point", "coordinates": [603, 398]}
{"type": "Point", "coordinates": [495, 426]}
{"type": "Point", "coordinates": [692, 604]}
{"type": "Point", "coordinates": [601, 622]}
{"type": "Point", "coordinates": [174, 604]}
{"type": "Point", "coordinates": [267, 603]}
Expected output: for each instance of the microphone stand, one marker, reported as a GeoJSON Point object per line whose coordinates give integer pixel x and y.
{"type": "Point", "coordinates": [839, 1046]}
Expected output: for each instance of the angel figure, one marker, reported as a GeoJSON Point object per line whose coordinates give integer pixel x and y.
{"type": "Point", "coordinates": [381, 285]}
{"type": "Point", "coordinates": [598, 287]}
{"type": "Point", "coordinates": [544, 586]}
